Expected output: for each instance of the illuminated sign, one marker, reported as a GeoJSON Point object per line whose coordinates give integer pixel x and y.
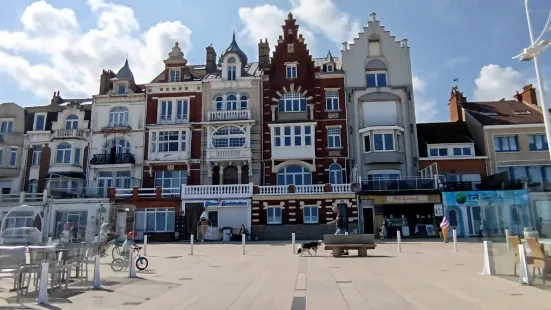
{"type": "Point", "coordinates": [225, 203]}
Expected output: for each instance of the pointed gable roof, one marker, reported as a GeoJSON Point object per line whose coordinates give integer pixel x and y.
{"type": "Point", "coordinates": [124, 74]}
{"type": "Point", "coordinates": [234, 48]}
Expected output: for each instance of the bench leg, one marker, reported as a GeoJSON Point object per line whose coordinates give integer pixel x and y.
{"type": "Point", "coordinates": [337, 252]}
{"type": "Point", "coordinates": [362, 252]}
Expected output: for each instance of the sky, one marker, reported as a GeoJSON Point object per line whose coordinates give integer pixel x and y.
{"type": "Point", "coordinates": [63, 45]}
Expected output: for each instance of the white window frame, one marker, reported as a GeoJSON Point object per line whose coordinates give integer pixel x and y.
{"type": "Point", "coordinates": [32, 187]}
{"type": "Point", "coordinates": [243, 135]}
{"type": "Point", "coordinates": [64, 160]}
{"type": "Point", "coordinates": [450, 150]}
{"type": "Point", "coordinates": [118, 117]}
{"type": "Point", "coordinates": [438, 149]}
{"type": "Point", "coordinates": [515, 137]}
{"type": "Point", "coordinates": [310, 219]}
{"type": "Point", "coordinates": [329, 67]}
{"type": "Point", "coordinates": [290, 97]}
{"type": "Point", "coordinates": [243, 104]}
{"type": "Point", "coordinates": [36, 115]}
{"type": "Point", "coordinates": [118, 87]}
{"type": "Point", "coordinates": [274, 220]}
{"type": "Point", "coordinates": [173, 118]}
{"type": "Point", "coordinates": [281, 136]}
{"type": "Point", "coordinates": [37, 155]}
{"type": "Point", "coordinates": [376, 80]}
{"type": "Point", "coordinates": [160, 179]}
{"type": "Point", "coordinates": [332, 100]}
{"type": "Point", "coordinates": [9, 126]}
{"type": "Point", "coordinates": [122, 146]}
{"type": "Point", "coordinates": [183, 140]}
{"type": "Point", "coordinates": [232, 71]}
{"type": "Point", "coordinates": [532, 140]}
{"type": "Point", "coordinates": [332, 137]}
{"type": "Point", "coordinates": [305, 175]}
{"type": "Point", "coordinates": [289, 72]}
{"type": "Point", "coordinates": [174, 75]}
{"type": "Point", "coordinates": [385, 171]}
{"type": "Point", "coordinates": [13, 157]}
{"type": "Point", "coordinates": [70, 123]}
{"type": "Point", "coordinates": [368, 135]}
{"type": "Point", "coordinates": [384, 141]}
{"type": "Point", "coordinates": [166, 211]}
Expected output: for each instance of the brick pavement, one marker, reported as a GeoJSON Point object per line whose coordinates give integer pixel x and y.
{"type": "Point", "coordinates": [426, 275]}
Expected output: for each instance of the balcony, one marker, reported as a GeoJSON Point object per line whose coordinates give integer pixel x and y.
{"type": "Point", "coordinates": [112, 159]}
{"type": "Point", "coordinates": [229, 154]}
{"type": "Point", "coordinates": [390, 157]}
{"type": "Point", "coordinates": [24, 197]}
{"type": "Point", "coordinates": [111, 127]}
{"type": "Point", "coordinates": [71, 134]}
{"type": "Point", "coordinates": [399, 185]}
{"type": "Point", "coordinates": [144, 193]}
{"type": "Point", "coordinates": [231, 115]}
{"type": "Point", "coordinates": [77, 192]}
{"type": "Point", "coordinates": [217, 191]}
{"type": "Point", "coordinates": [173, 119]}
{"type": "Point", "coordinates": [313, 189]}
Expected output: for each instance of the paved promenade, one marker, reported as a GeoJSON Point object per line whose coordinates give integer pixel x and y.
{"type": "Point", "coordinates": [426, 275]}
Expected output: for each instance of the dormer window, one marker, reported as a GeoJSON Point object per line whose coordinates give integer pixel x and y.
{"type": "Point", "coordinates": [232, 69]}
{"type": "Point", "coordinates": [121, 89]}
{"type": "Point", "coordinates": [291, 71]}
{"type": "Point", "coordinates": [329, 68]}
{"type": "Point", "coordinates": [174, 75]}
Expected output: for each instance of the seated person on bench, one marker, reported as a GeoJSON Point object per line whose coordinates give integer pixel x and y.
{"type": "Point", "coordinates": [340, 225]}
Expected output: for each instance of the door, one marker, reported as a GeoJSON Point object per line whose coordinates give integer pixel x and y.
{"type": "Point", "coordinates": [193, 213]}
{"type": "Point", "coordinates": [120, 228]}
{"type": "Point", "coordinates": [367, 214]}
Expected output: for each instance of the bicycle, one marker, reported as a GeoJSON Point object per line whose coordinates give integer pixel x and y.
{"type": "Point", "coordinates": [119, 264]}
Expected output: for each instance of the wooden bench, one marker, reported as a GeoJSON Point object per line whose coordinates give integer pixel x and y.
{"type": "Point", "coordinates": [338, 243]}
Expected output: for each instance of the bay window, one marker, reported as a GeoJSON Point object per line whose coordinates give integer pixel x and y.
{"type": "Point", "coordinates": [297, 135]}
{"type": "Point", "coordinates": [294, 175]}
{"type": "Point", "coordinates": [173, 111]}
{"type": "Point", "coordinates": [171, 179]}
{"type": "Point", "coordinates": [169, 141]}
{"type": "Point", "coordinates": [292, 102]}
{"type": "Point", "coordinates": [229, 137]}
{"type": "Point", "coordinates": [383, 142]}
{"type": "Point", "coordinates": [116, 179]}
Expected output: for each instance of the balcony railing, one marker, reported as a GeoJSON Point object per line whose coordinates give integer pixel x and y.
{"type": "Point", "coordinates": [25, 197]}
{"type": "Point", "coordinates": [397, 185]}
{"type": "Point", "coordinates": [217, 191]}
{"type": "Point", "coordinates": [230, 115]}
{"type": "Point", "coordinates": [113, 159]}
{"type": "Point", "coordinates": [145, 193]}
{"type": "Point", "coordinates": [173, 119]}
{"type": "Point", "coordinates": [117, 126]}
{"type": "Point", "coordinates": [315, 189]}
{"type": "Point", "coordinates": [71, 133]}
{"type": "Point", "coordinates": [78, 192]}
{"type": "Point", "coordinates": [229, 153]}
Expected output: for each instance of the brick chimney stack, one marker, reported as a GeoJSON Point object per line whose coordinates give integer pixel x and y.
{"type": "Point", "coordinates": [263, 54]}
{"type": "Point", "coordinates": [528, 95]}
{"type": "Point", "coordinates": [105, 85]}
{"type": "Point", "coordinates": [56, 99]}
{"type": "Point", "coordinates": [211, 59]}
{"type": "Point", "coordinates": [454, 105]}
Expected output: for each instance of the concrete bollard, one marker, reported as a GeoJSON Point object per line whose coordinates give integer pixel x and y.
{"type": "Point", "coordinates": [524, 277]}
{"type": "Point", "coordinates": [191, 245]}
{"type": "Point", "coordinates": [399, 240]}
{"type": "Point", "coordinates": [132, 267]}
{"type": "Point", "coordinates": [50, 241]}
{"type": "Point", "coordinates": [507, 239]}
{"type": "Point", "coordinates": [346, 233]}
{"type": "Point", "coordinates": [293, 242]}
{"type": "Point", "coordinates": [43, 285]}
{"type": "Point", "coordinates": [243, 242]}
{"type": "Point", "coordinates": [454, 237]}
{"type": "Point", "coordinates": [96, 284]}
{"type": "Point", "coordinates": [145, 245]}
{"type": "Point", "coordinates": [488, 267]}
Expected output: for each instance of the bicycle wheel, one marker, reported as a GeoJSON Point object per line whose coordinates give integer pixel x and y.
{"type": "Point", "coordinates": [141, 263]}
{"type": "Point", "coordinates": [118, 264]}
{"type": "Point", "coordinates": [116, 251]}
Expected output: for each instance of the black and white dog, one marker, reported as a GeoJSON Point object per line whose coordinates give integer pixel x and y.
{"type": "Point", "coordinates": [307, 246]}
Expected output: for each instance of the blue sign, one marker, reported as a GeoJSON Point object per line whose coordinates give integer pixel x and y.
{"type": "Point", "coordinates": [225, 203]}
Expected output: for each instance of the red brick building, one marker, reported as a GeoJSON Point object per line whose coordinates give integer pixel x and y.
{"type": "Point", "coordinates": [304, 139]}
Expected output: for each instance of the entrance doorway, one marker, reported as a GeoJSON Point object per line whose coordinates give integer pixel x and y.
{"type": "Point", "coordinates": [412, 220]}
{"type": "Point", "coordinates": [193, 213]}
{"type": "Point", "coordinates": [367, 214]}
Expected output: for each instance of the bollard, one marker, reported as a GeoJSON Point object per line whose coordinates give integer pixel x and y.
{"type": "Point", "coordinates": [243, 242]}
{"type": "Point", "coordinates": [399, 239]}
{"type": "Point", "coordinates": [144, 245]}
{"type": "Point", "coordinates": [97, 280]}
{"type": "Point", "coordinates": [524, 277]}
{"type": "Point", "coordinates": [346, 233]}
{"type": "Point", "coordinates": [132, 268]}
{"type": "Point", "coordinates": [191, 246]}
{"type": "Point", "coordinates": [454, 236]}
{"type": "Point", "coordinates": [507, 239]}
{"type": "Point", "coordinates": [50, 240]}
{"type": "Point", "coordinates": [293, 241]}
{"type": "Point", "coordinates": [488, 267]}
{"type": "Point", "coordinates": [43, 285]}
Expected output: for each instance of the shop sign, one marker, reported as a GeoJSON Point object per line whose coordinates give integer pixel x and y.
{"type": "Point", "coordinates": [407, 199]}
{"type": "Point", "coordinates": [438, 210]}
{"type": "Point", "coordinates": [225, 203]}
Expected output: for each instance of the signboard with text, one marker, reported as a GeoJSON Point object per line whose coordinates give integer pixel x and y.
{"type": "Point", "coordinates": [407, 199]}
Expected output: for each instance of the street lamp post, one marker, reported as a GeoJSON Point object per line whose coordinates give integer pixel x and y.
{"type": "Point", "coordinates": [531, 53]}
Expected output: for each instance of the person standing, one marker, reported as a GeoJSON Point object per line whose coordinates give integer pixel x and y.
{"type": "Point", "coordinates": [481, 231]}
{"type": "Point", "coordinates": [445, 226]}
{"type": "Point", "coordinates": [340, 224]}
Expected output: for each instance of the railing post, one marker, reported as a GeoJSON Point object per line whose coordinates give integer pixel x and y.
{"type": "Point", "coordinates": [22, 197]}
{"type": "Point", "coordinates": [112, 192]}
{"type": "Point", "coordinates": [158, 192]}
{"type": "Point", "coordinates": [135, 191]}
{"type": "Point", "coordinates": [45, 195]}
{"type": "Point", "coordinates": [1, 196]}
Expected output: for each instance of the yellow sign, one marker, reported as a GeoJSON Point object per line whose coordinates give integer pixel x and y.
{"type": "Point", "coordinates": [407, 199]}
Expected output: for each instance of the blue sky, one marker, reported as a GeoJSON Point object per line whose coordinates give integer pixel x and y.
{"type": "Point", "coordinates": [64, 44]}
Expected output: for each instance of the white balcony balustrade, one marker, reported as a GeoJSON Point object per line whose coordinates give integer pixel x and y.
{"type": "Point", "coordinates": [313, 189]}
{"type": "Point", "coordinates": [230, 115]}
{"type": "Point", "coordinates": [71, 133]}
{"type": "Point", "coordinates": [173, 119]}
{"type": "Point", "coordinates": [217, 191]}
{"type": "Point", "coordinates": [229, 154]}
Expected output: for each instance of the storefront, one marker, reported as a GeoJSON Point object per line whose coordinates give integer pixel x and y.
{"type": "Point", "coordinates": [411, 215]}
{"type": "Point", "coordinates": [83, 216]}
{"type": "Point", "coordinates": [541, 212]}
{"type": "Point", "coordinates": [498, 209]}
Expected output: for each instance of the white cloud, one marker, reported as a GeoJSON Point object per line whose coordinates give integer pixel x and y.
{"type": "Point", "coordinates": [72, 59]}
{"type": "Point", "coordinates": [425, 108]}
{"type": "Point", "coordinates": [495, 82]}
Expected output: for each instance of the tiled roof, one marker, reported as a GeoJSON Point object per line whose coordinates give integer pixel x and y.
{"type": "Point", "coordinates": [250, 69]}
{"type": "Point", "coordinates": [442, 133]}
{"type": "Point", "coordinates": [125, 73]}
{"type": "Point", "coordinates": [197, 72]}
{"type": "Point", "coordinates": [234, 48]}
{"type": "Point", "coordinates": [320, 61]}
{"type": "Point", "coordinates": [503, 112]}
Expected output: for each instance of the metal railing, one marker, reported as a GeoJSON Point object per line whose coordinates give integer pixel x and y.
{"type": "Point", "coordinates": [173, 119]}
{"type": "Point", "coordinates": [25, 197]}
{"type": "Point", "coordinates": [147, 192]}
{"type": "Point", "coordinates": [402, 184]}
{"type": "Point", "coordinates": [112, 159]}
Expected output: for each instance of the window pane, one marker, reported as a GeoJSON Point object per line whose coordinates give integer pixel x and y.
{"type": "Point", "coordinates": [371, 82]}
{"type": "Point", "coordinates": [378, 142]}
{"type": "Point", "coordinates": [389, 142]}
{"type": "Point", "coordinates": [160, 222]}
{"type": "Point", "coordinates": [381, 79]}
{"type": "Point", "coordinates": [150, 221]}
{"type": "Point", "coordinates": [367, 144]}
{"type": "Point", "coordinates": [467, 151]}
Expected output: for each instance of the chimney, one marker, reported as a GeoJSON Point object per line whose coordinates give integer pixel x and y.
{"type": "Point", "coordinates": [263, 54]}
{"type": "Point", "coordinates": [528, 95]}
{"type": "Point", "coordinates": [211, 59]}
{"type": "Point", "coordinates": [105, 84]}
{"type": "Point", "coordinates": [454, 105]}
{"type": "Point", "coordinates": [56, 99]}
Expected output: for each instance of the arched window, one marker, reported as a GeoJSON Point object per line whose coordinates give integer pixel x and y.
{"type": "Point", "coordinates": [32, 187]}
{"type": "Point", "coordinates": [120, 145]}
{"type": "Point", "coordinates": [118, 117]}
{"type": "Point", "coordinates": [375, 74]}
{"type": "Point", "coordinates": [296, 175]}
{"type": "Point", "coordinates": [231, 103]}
{"type": "Point", "coordinates": [232, 69]}
{"type": "Point", "coordinates": [335, 174]}
{"type": "Point", "coordinates": [244, 102]}
{"type": "Point", "coordinates": [292, 102]}
{"type": "Point", "coordinates": [71, 122]}
{"type": "Point", "coordinates": [229, 137]}
{"type": "Point", "coordinates": [63, 153]}
{"type": "Point", "coordinates": [219, 103]}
